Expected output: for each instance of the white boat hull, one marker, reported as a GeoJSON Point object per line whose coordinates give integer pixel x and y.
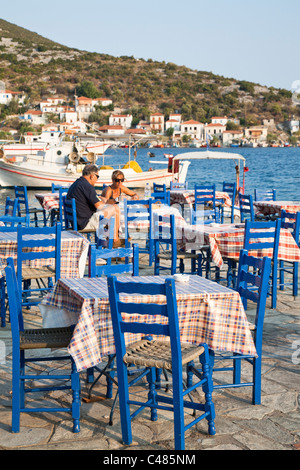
{"type": "Point", "coordinates": [42, 177]}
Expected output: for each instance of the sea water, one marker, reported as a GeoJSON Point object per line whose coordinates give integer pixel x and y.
{"type": "Point", "coordinates": [268, 168]}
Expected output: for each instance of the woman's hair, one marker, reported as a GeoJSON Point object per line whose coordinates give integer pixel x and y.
{"type": "Point", "coordinates": [116, 173]}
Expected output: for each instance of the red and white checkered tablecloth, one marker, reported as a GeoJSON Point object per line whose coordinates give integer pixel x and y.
{"type": "Point", "coordinates": [48, 201]}
{"type": "Point", "coordinates": [208, 312]}
{"type": "Point", "coordinates": [74, 251]}
{"type": "Point", "coordinates": [187, 196]}
{"type": "Point", "coordinates": [275, 207]}
{"type": "Point", "coordinates": [226, 240]}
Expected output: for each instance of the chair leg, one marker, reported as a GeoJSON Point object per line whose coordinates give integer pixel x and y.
{"type": "Point", "coordinates": [151, 377]}
{"type": "Point", "coordinates": [123, 403]}
{"type": "Point", "coordinates": [2, 302]}
{"type": "Point", "coordinates": [274, 286]}
{"type": "Point", "coordinates": [17, 392]}
{"type": "Point", "coordinates": [75, 383]}
{"type": "Point", "coordinates": [256, 390]}
{"type": "Point", "coordinates": [237, 370]}
{"type": "Point", "coordinates": [295, 279]}
{"type": "Point", "coordinates": [206, 360]}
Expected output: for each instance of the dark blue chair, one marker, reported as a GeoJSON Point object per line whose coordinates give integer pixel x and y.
{"type": "Point", "coordinates": [230, 189]}
{"type": "Point", "coordinates": [291, 222]}
{"type": "Point", "coordinates": [57, 214]}
{"type": "Point", "coordinates": [106, 268]}
{"type": "Point", "coordinates": [166, 248]}
{"type": "Point", "coordinates": [265, 235]}
{"type": "Point", "coordinates": [160, 193]}
{"type": "Point", "coordinates": [246, 207]}
{"type": "Point", "coordinates": [139, 211]}
{"type": "Point", "coordinates": [264, 195]}
{"type": "Point", "coordinates": [26, 340]}
{"type": "Point", "coordinates": [106, 255]}
{"type": "Point", "coordinates": [153, 354]}
{"type": "Point", "coordinates": [37, 243]}
{"type": "Point", "coordinates": [24, 209]}
{"type": "Point", "coordinates": [205, 210]}
{"type": "Point", "coordinates": [11, 206]}
{"type": "Point", "coordinates": [252, 284]}
{"type": "Point", "coordinates": [177, 185]}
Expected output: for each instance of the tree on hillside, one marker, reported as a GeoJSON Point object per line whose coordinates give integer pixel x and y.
{"type": "Point", "coordinates": [88, 89]}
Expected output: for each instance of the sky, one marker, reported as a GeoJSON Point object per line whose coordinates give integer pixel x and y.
{"type": "Point", "coordinates": [256, 40]}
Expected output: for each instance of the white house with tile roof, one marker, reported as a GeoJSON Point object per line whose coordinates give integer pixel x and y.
{"type": "Point", "coordinates": [193, 128]}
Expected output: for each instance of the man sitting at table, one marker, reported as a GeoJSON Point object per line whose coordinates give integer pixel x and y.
{"type": "Point", "coordinates": [89, 206]}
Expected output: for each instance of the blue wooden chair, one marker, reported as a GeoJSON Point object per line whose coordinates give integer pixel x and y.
{"type": "Point", "coordinates": [107, 268]}
{"type": "Point", "coordinates": [11, 221]}
{"type": "Point", "coordinates": [11, 207]}
{"type": "Point", "coordinates": [70, 220]}
{"type": "Point", "coordinates": [265, 235]}
{"type": "Point", "coordinates": [166, 248]}
{"type": "Point", "coordinates": [205, 209]}
{"type": "Point", "coordinates": [160, 193]}
{"type": "Point", "coordinates": [246, 207]}
{"type": "Point", "coordinates": [169, 355]}
{"type": "Point", "coordinates": [57, 214]}
{"type": "Point", "coordinates": [230, 189]}
{"type": "Point", "coordinates": [252, 273]}
{"type": "Point", "coordinates": [44, 243]}
{"type": "Point", "coordinates": [56, 187]}
{"type": "Point", "coordinates": [26, 340]}
{"type": "Point", "coordinates": [291, 222]}
{"type": "Point", "coordinates": [24, 209]}
{"type": "Point", "coordinates": [139, 211]}
{"type": "Point", "coordinates": [264, 195]}
{"type": "Point", "coordinates": [177, 185]}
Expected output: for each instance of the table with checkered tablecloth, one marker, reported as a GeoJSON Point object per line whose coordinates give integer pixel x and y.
{"type": "Point", "coordinates": [48, 201]}
{"type": "Point", "coordinates": [207, 311]}
{"type": "Point", "coordinates": [187, 197]}
{"type": "Point", "coordinates": [74, 251]}
{"type": "Point", "coordinates": [227, 240]}
{"type": "Point", "coordinates": [275, 207]}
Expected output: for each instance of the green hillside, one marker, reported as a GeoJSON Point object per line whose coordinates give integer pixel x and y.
{"type": "Point", "coordinates": [40, 67]}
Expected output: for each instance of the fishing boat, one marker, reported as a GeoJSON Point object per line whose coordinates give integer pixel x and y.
{"type": "Point", "coordinates": [63, 162]}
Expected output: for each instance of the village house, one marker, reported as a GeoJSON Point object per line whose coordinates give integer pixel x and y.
{"type": "Point", "coordinates": [232, 137]}
{"type": "Point", "coordinates": [123, 120]}
{"type": "Point", "coordinates": [112, 130]}
{"type": "Point", "coordinates": [145, 126]}
{"type": "Point", "coordinates": [193, 129]}
{"type": "Point", "coordinates": [212, 130]}
{"type": "Point", "coordinates": [6, 96]}
{"type": "Point", "coordinates": [256, 134]}
{"type": "Point", "coordinates": [53, 101]}
{"type": "Point", "coordinates": [68, 115]}
{"type": "Point", "coordinates": [85, 106]}
{"type": "Point", "coordinates": [157, 122]}
{"type": "Point", "coordinates": [35, 116]}
{"type": "Point", "coordinates": [173, 123]}
{"type": "Point", "coordinates": [219, 120]}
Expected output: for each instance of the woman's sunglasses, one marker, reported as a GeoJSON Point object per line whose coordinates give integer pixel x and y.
{"type": "Point", "coordinates": [119, 180]}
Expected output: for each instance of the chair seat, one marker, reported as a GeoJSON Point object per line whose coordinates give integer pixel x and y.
{"type": "Point", "coordinates": [158, 354]}
{"type": "Point", "coordinates": [37, 338]}
{"type": "Point", "coordinates": [180, 255]}
{"type": "Point", "coordinates": [37, 273]}
{"type": "Point", "coordinates": [32, 210]}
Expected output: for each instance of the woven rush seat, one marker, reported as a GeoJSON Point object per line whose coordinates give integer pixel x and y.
{"type": "Point", "coordinates": [45, 338]}
{"type": "Point", "coordinates": [158, 354]}
{"type": "Point", "coordinates": [37, 273]}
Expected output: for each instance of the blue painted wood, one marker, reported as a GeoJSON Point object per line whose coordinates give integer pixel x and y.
{"type": "Point", "coordinates": [13, 221]}
{"type": "Point", "coordinates": [205, 210]}
{"type": "Point", "coordinates": [265, 235]}
{"type": "Point", "coordinates": [107, 254]}
{"type": "Point", "coordinates": [19, 361]}
{"type": "Point", "coordinates": [175, 403]}
{"type": "Point", "coordinates": [164, 231]}
{"type": "Point", "coordinates": [48, 241]}
{"type": "Point", "coordinates": [264, 195]}
{"type": "Point", "coordinates": [291, 222]}
{"type": "Point", "coordinates": [11, 206]}
{"type": "Point", "coordinates": [160, 193]}
{"type": "Point", "coordinates": [252, 283]}
{"type": "Point", "coordinates": [139, 210]}
{"type": "Point", "coordinates": [246, 207]}
{"type": "Point", "coordinates": [24, 209]}
{"type": "Point", "coordinates": [230, 189]}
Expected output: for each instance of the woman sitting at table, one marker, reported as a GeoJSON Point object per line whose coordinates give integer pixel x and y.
{"type": "Point", "coordinates": [113, 192]}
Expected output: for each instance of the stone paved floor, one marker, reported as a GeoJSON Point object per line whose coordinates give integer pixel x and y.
{"type": "Point", "coordinates": [273, 425]}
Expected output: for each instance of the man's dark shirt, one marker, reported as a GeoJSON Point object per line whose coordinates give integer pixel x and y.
{"type": "Point", "coordinates": [86, 197]}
